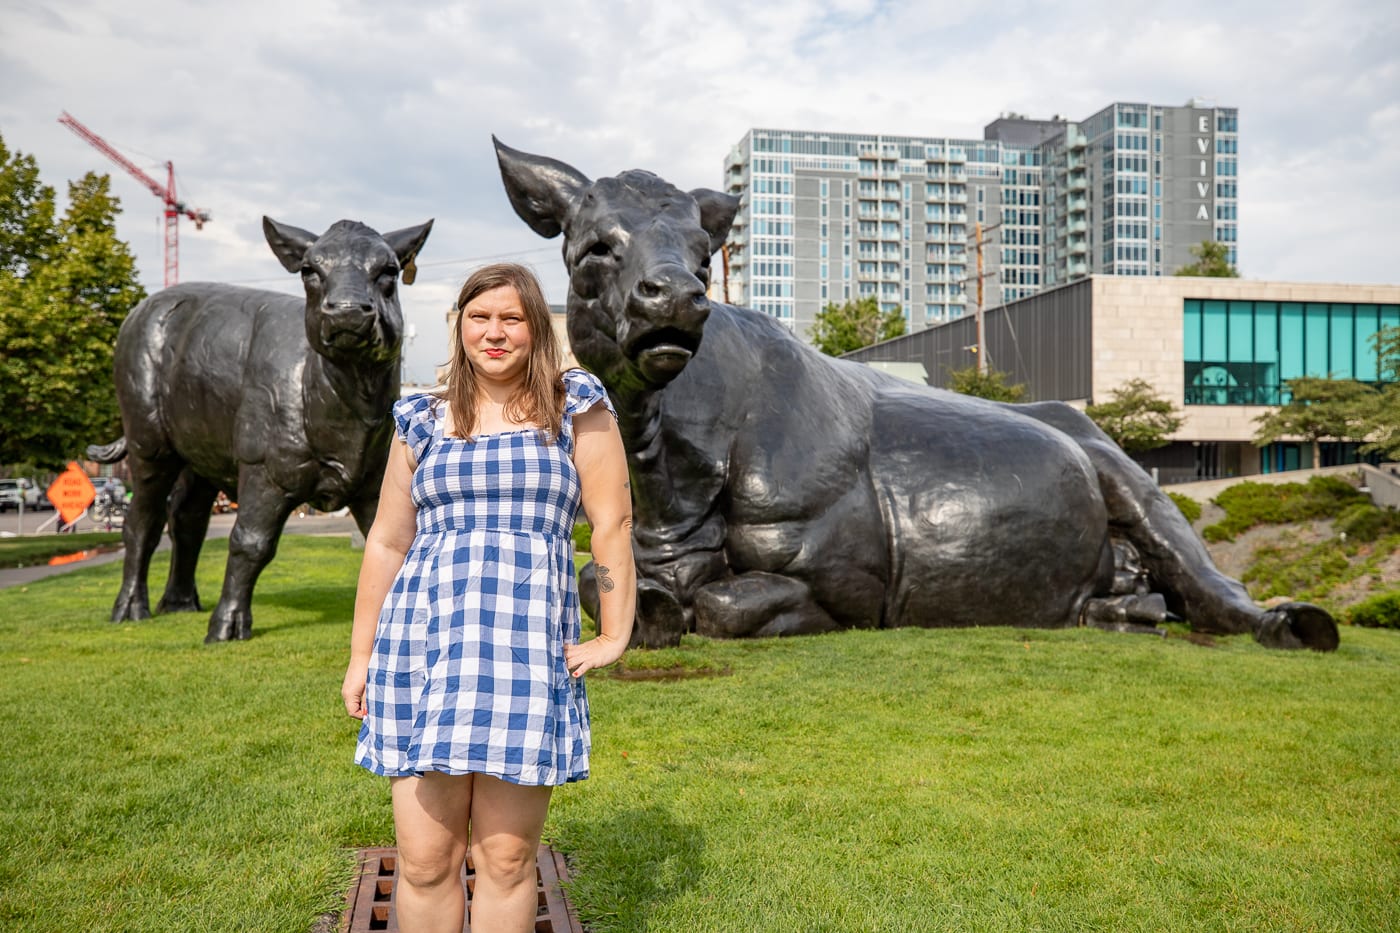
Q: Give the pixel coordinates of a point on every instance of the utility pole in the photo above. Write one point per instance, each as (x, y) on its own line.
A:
(983, 363)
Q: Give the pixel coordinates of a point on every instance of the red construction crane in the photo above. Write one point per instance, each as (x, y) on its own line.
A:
(174, 207)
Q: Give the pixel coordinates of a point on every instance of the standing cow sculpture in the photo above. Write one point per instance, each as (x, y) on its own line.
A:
(779, 491)
(274, 400)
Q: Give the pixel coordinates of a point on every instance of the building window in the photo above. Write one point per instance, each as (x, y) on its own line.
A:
(1243, 352)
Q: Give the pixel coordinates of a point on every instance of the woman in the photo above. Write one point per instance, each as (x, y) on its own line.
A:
(465, 660)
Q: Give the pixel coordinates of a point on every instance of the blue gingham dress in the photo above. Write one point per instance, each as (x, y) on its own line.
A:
(467, 674)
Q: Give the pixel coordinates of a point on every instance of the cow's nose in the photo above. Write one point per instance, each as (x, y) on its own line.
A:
(673, 288)
(349, 310)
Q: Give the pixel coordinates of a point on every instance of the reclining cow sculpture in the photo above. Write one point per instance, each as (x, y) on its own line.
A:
(272, 399)
(779, 491)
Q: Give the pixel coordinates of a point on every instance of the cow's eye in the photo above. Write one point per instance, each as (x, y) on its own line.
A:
(386, 281)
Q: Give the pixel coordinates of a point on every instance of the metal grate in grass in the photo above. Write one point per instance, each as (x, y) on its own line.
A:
(370, 902)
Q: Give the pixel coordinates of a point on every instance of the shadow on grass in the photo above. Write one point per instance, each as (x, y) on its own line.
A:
(314, 605)
(653, 859)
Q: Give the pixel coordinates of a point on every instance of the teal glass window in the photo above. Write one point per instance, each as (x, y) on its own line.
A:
(1315, 355)
(1192, 317)
(1241, 332)
(1342, 342)
(1363, 348)
(1290, 335)
(1267, 388)
(1244, 352)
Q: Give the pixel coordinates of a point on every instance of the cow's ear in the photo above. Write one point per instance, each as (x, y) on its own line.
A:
(716, 214)
(541, 190)
(288, 243)
(406, 243)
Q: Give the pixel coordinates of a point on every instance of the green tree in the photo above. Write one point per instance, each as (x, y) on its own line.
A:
(990, 385)
(854, 324)
(65, 288)
(1136, 417)
(1212, 260)
(1383, 421)
(1340, 409)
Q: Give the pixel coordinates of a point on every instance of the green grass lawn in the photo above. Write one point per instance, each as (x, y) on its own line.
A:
(991, 779)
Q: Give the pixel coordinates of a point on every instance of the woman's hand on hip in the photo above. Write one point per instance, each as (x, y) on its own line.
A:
(594, 653)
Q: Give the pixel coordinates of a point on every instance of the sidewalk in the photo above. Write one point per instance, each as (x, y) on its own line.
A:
(219, 527)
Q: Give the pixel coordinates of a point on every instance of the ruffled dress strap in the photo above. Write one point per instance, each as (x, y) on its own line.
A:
(583, 391)
(415, 421)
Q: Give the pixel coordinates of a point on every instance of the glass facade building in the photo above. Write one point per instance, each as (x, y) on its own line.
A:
(1221, 350)
(1243, 352)
(830, 217)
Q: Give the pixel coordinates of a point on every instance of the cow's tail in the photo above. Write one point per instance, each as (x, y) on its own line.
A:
(108, 453)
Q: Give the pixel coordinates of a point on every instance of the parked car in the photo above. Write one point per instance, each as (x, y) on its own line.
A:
(22, 489)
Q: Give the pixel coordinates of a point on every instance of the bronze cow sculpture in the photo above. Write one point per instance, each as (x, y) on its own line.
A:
(272, 399)
(779, 491)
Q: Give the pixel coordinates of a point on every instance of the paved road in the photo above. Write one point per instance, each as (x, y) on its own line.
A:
(219, 527)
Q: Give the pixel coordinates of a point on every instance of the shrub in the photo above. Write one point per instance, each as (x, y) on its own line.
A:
(1379, 611)
(1189, 507)
(583, 537)
(1248, 504)
(1365, 522)
(1302, 571)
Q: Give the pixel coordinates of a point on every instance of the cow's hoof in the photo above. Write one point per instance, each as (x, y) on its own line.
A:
(130, 610)
(1297, 625)
(184, 603)
(660, 618)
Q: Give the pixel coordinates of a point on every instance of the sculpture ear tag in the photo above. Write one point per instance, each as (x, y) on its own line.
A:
(410, 270)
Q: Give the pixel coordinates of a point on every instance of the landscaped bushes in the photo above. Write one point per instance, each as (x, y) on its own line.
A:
(1248, 504)
(1379, 611)
(1189, 507)
(1365, 522)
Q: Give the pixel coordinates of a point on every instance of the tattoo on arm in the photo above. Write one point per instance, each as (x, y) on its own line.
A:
(605, 582)
(627, 485)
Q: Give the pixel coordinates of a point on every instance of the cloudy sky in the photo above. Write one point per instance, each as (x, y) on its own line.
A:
(317, 110)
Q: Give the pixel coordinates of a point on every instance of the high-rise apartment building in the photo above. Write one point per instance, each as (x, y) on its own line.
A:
(827, 217)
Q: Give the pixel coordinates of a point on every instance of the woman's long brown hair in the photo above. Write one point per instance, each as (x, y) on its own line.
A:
(540, 398)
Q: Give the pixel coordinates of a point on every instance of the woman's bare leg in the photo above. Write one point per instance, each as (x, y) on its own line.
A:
(506, 822)
(431, 814)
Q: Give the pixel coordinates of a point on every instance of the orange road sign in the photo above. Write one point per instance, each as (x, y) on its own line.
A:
(71, 493)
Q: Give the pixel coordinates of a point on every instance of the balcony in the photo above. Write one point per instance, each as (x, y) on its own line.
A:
(1077, 226)
(1078, 183)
